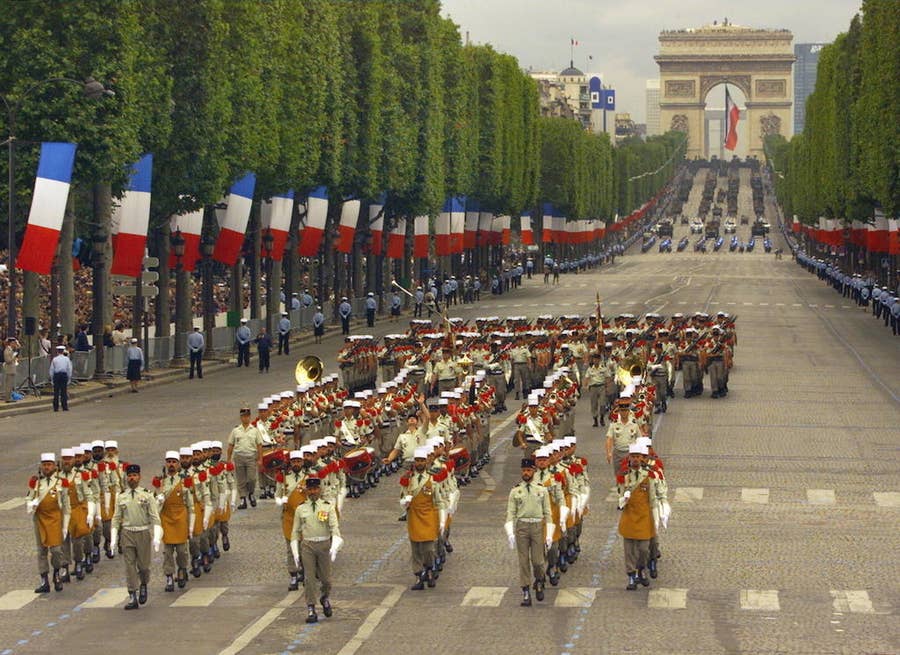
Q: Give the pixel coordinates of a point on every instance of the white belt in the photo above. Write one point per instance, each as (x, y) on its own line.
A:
(137, 529)
(540, 520)
(316, 538)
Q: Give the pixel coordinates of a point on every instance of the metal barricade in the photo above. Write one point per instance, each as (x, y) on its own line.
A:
(83, 364)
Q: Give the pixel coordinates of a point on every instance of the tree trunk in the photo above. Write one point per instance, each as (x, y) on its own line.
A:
(102, 310)
(162, 304)
(273, 299)
(66, 276)
(254, 241)
(236, 301)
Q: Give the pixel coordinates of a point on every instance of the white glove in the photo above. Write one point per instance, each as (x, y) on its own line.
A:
(295, 551)
(31, 505)
(405, 501)
(65, 526)
(223, 502)
(454, 502)
(234, 497)
(157, 537)
(510, 535)
(664, 513)
(442, 520)
(107, 500)
(281, 500)
(549, 531)
(207, 515)
(336, 543)
(563, 517)
(113, 539)
(91, 513)
(342, 495)
(623, 500)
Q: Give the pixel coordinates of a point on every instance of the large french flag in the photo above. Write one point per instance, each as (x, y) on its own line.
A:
(132, 217)
(316, 215)
(442, 230)
(191, 227)
(894, 237)
(732, 114)
(457, 223)
(485, 222)
(234, 224)
(347, 227)
(470, 235)
(547, 223)
(376, 227)
(48, 208)
(397, 240)
(527, 234)
(559, 228)
(877, 238)
(420, 239)
(275, 216)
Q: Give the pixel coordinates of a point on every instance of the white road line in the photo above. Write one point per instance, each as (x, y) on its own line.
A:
(820, 496)
(375, 617)
(688, 494)
(575, 597)
(763, 304)
(779, 304)
(796, 304)
(103, 598)
(16, 599)
(816, 305)
(852, 601)
(829, 306)
(483, 597)
(12, 503)
(760, 599)
(253, 630)
(747, 304)
(199, 597)
(667, 599)
(732, 303)
(887, 498)
(757, 496)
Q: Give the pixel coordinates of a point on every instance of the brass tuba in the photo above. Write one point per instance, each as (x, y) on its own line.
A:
(629, 367)
(309, 369)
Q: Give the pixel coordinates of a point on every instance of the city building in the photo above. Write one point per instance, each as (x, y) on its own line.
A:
(805, 67)
(652, 92)
(565, 94)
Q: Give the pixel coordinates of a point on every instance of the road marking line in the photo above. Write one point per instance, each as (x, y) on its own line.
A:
(667, 599)
(796, 304)
(483, 597)
(746, 304)
(887, 498)
(12, 503)
(813, 305)
(199, 597)
(688, 494)
(829, 306)
(855, 601)
(820, 496)
(16, 599)
(375, 617)
(575, 597)
(763, 304)
(108, 597)
(779, 304)
(758, 496)
(760, 599)
(253, 630)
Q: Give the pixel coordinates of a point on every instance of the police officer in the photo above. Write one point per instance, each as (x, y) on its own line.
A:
(284, 334)
(371, 307)
(318, 323)
(196, 343)
(61, 375)
(419, 301)
(136, 519)
(529, 529)
(242, 337)
(344, 311)
(395, 306)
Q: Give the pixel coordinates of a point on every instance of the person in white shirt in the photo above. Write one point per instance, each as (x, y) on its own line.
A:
(61, 374)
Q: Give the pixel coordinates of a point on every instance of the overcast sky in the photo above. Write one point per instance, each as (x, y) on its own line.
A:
(623, 35)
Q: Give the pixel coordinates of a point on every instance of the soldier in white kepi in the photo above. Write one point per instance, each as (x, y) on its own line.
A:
(48, 501)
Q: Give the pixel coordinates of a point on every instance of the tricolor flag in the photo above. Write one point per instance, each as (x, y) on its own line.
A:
(732, 114)
(527, 234)
(397, 240)
(275, 216)
(376, 226)
(496, 231)
(48, 208)
(316, 215)
(347, 227)
(191, 227)
(233, 225)
(877, 237)
(559, 227)
(420, 238)
(470, 234)
(505, 226)
(547, 223)
(442, 229)
(131, 219)
(457, 223)
(485, 220)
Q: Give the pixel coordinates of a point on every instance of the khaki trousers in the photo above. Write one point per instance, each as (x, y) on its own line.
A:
(637, 553)
(172, 554)
(530, 549)
(521, 378)
(291, 565)
(716, 370)
(317, 564)
(57, 558)
(421, 555)
(690, 374)
(136, 550)
(597, 394)
(246, 473)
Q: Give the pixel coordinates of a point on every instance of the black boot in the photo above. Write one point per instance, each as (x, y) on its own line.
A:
(226, 544)
(563, 565)
(170, 583)
(651, 566)
(294, 584)
(57, 580)
(602, 420)
(326, 606)
(182, 578)
(207, 563)
(430, 578)
(632, 581)
(595, 421)
(252, 501)
(539, 590)
(643, 578)
(95, 555)
(448, 546)
(44, 588)
(79, 571)
(64, 576)
(418, 586)
(142, 594)
(243, 504)
(526, 597)
(311, 616)
(89, 563)
(107, 551)
(195, 568)
(132, 601)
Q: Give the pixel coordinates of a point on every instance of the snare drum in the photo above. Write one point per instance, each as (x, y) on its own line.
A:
(461, 459)
(358, 462)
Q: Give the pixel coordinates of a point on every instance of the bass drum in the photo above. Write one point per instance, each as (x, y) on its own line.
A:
(358, 462)
(461, 460)
(274, 459)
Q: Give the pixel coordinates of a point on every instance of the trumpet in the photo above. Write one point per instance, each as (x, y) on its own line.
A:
(309, 369)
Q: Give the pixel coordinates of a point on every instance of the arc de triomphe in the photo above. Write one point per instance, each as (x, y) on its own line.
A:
(759, 62)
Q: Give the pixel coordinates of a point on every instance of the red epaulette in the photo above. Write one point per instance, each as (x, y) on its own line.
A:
(202, 476)
(404, 481)
(575, 469)
(229, 466)
(32, 483)
(157, 482)
(440, 476)
(584, 462)
(559, 477)
(101, 466)
(188, 482)
(86, 476)
(279, 477)
(620, 479)
(94, 475)
(65, 483)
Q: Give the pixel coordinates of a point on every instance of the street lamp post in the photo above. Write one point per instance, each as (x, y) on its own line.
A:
(93, 90)
(268, 244)
(177, 243)
(98, 259)
(209, 319)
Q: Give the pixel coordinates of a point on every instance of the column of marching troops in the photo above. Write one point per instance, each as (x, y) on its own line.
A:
(312, 448)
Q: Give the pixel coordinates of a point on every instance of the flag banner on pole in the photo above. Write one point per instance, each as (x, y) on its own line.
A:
(48, 208)
(234, 223)
(559, 229)
(275, 216)
(505, 226)
(795, 226)
(442, 230)
(485, 221)
(347, 227)
(191, 227)
(609, 99)
(132, 217)
(547, 223)
(314, 230)
(496, 231)
(877, 239)
(420, 239)
(397, 240)
(894, 237)
(732, 115)
(457, 223)
(470, 234)
(376, 226)
(527, 234)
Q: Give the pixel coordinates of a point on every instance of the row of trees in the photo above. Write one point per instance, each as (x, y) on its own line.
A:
(365, 98)
(845, 164)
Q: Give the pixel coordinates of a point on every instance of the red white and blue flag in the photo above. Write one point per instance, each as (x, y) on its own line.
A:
(130, 220)
(316, 215)
(234, 223)
(275, 216)
(732, 115)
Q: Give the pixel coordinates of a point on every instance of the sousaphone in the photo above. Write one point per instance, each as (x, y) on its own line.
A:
(309, 370)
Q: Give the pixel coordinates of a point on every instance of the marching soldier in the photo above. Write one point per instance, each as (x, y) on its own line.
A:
(520, 357)
(176, 516)
(444, 372)
(529, 529)
(111, 484)
(688, 357)
(48, 501)
(534, 428)
(290, 493)
(715, 351)
(82, 509)
(245, 451)
(86, 464)
(228, 495)
(594, 380)
(191, 463)
(316, 540)
(622, 432)
(559, 511)
(135, 516)
(426, 518)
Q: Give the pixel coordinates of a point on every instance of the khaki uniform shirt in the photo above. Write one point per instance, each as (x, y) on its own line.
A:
(445, 370)
(135, 508)
(528, 501)
(623, 434)
(245, 440)
(595, 375)
(315, 520)
(408, 441)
